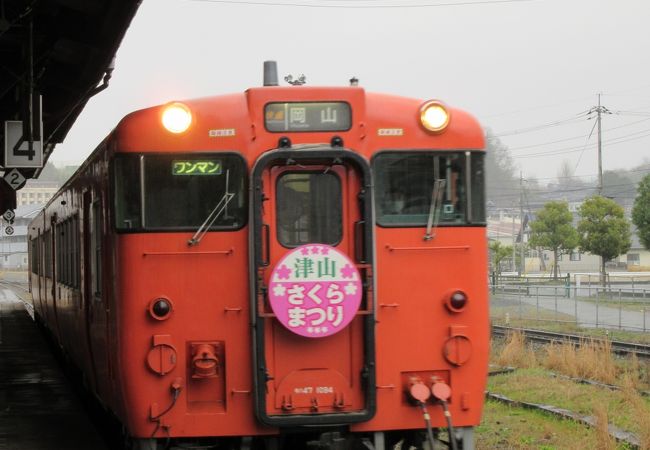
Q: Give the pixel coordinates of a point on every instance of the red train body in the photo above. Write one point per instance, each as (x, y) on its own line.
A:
(155, 265)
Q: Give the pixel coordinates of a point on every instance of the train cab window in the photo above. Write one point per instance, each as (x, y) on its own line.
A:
(413, 188)
(478, 188)
(309, 209)
(180, 191)
(127, 192)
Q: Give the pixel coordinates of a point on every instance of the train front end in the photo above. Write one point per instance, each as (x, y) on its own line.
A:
(300, 267)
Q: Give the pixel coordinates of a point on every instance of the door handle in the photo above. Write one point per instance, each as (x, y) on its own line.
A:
(266, 244)
(360, 241)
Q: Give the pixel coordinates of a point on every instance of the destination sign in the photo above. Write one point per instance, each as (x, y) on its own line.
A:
(196, 167)
(309, 116)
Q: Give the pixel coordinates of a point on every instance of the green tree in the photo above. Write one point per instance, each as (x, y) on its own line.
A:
(566, 180)
(499, 171)
(618, 186)
(499, 252)
(58, 174)
(553, 230)
(641, 211)
(603, 230)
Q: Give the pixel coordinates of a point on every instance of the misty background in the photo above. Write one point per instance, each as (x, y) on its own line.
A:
(529, 70)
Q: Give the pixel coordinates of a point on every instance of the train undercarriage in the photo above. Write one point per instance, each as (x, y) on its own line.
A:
(332, 439)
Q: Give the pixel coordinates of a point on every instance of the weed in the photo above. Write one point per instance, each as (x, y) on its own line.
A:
(516, 352)
(595, 361)
(562, 358)
(640, 409)
(592, 360)
(603, 439)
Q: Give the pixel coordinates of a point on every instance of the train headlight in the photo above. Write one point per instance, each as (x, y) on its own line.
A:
(160, 308)
(456, 301)
(176, 118)
(434, 116)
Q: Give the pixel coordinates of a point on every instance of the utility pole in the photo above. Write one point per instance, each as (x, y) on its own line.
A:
(514, 242)
(599, 110)
(522, 261)
(600, 152)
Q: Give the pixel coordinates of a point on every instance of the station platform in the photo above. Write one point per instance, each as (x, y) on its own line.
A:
(39, 410)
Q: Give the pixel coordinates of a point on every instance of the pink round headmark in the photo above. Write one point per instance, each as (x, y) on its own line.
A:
(315, 290)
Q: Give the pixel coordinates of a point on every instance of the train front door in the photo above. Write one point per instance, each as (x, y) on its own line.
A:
(311, 295)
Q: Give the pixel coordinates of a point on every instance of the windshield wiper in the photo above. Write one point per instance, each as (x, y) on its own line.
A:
(434, 209)
(214, 215)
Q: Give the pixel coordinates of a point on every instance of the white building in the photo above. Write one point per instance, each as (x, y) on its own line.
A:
(36, 192)
(13, 247)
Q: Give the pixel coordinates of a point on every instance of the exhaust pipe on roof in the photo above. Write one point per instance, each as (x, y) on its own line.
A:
(270, 73)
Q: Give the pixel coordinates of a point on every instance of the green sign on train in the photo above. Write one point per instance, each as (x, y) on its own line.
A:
(196, 167)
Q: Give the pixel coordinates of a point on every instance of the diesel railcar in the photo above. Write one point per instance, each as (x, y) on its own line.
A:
(287, 267)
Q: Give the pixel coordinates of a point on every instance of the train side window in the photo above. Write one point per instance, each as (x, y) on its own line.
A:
(407, 182)
(309, 209)
(58, 247)
(127, 192)
(35, 255)
(47, 243)
(61, 248)
(96, 246)
(76, 262)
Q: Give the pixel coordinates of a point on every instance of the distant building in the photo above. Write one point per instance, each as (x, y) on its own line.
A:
(504, 225)
(13, 248)
(638, 257)
(36, 192)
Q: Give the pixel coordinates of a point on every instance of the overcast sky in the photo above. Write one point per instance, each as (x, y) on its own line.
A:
(528, 70)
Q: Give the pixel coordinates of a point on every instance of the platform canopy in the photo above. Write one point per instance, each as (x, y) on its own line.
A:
(60, 51)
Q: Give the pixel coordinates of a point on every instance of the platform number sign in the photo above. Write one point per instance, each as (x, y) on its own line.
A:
(9, 230)
(315, 291)
(9, 215)
(15, 179)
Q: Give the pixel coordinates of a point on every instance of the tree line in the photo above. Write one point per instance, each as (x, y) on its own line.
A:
(602, 229)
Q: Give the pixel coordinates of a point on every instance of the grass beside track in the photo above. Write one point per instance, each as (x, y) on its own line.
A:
(506, 427)
(538, 386)
(517, 428)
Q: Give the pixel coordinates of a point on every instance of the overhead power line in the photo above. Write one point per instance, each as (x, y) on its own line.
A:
(569, 177)
(541, 144)
(584, 147)
(567, 189)
(535, 108)
(575, 149)
(348, 5)
(577, 118)
(633, 113)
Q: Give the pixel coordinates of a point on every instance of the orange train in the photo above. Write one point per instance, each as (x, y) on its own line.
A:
(288, 267)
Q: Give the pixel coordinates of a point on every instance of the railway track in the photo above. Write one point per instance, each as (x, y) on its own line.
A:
(620, 435)
(21, 290)
(22, 286)
(618, 347)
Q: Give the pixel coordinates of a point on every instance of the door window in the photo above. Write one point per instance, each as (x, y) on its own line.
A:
(309, 209)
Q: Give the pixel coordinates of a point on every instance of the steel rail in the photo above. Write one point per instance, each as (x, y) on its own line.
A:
(618, 347)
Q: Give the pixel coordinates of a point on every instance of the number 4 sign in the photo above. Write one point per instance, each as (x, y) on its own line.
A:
(15, 179)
